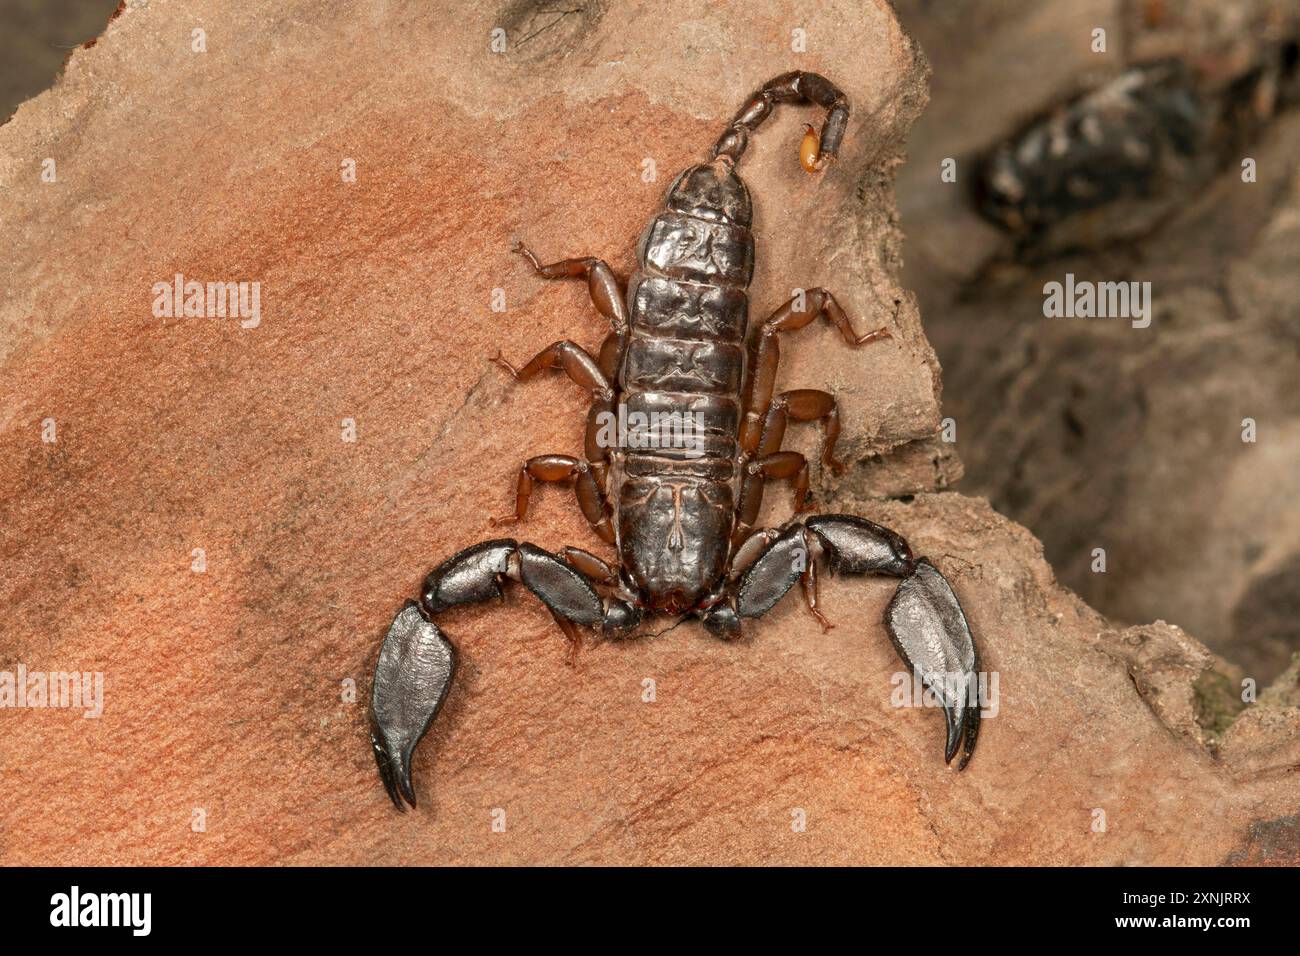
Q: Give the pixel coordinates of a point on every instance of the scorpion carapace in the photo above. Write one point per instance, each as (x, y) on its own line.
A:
(683, 433)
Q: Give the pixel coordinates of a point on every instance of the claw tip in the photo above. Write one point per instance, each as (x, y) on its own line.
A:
(395, 773)
(954, 736)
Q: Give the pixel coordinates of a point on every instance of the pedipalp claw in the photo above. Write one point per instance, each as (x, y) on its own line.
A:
(390, 771)
(416, 665)
(930, 632)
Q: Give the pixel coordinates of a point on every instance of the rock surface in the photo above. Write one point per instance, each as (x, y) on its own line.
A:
(228, 734)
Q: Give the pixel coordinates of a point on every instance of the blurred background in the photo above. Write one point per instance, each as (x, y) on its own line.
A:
(35, 37)
(1123, 165)
(1114, 158)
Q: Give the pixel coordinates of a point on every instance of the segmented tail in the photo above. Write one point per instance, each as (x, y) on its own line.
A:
(793, 87)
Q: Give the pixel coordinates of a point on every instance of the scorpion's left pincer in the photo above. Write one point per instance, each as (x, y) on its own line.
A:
(416, 665)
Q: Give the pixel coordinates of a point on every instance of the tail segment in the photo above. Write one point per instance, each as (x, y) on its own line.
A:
(794, 87)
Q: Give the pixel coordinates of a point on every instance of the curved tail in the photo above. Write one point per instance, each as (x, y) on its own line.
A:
(794, 87)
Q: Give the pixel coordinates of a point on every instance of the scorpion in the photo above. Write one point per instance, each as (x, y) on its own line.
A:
(680, 514)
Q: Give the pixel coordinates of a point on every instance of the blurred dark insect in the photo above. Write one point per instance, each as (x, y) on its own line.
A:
(1111, 163)
(1054, 185)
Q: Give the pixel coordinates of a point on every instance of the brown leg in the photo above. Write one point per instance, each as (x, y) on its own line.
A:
(808, 580)
(747, 552)
(785, 464)
(611, 355)
(590, 565)
(606, 295)
(540, 468)
(561, 468)
(600, 436)
(571, 635)
(803, 405)
(807, 405)
(591, 499)
(767, 355)
(780, 464)
(573, 359)
(595, 375)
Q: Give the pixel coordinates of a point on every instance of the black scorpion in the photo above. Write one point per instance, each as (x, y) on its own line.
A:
(680, 513)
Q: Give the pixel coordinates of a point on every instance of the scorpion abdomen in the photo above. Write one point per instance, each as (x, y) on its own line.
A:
(681, 377)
